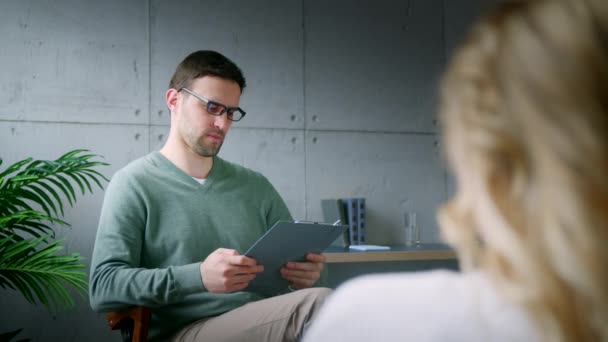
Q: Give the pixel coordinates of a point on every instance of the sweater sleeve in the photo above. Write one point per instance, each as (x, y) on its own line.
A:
(117, 279)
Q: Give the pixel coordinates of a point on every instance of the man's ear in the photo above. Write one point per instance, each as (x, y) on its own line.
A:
(171, 99)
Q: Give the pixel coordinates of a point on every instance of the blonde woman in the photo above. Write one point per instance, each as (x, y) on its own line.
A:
(525, 124)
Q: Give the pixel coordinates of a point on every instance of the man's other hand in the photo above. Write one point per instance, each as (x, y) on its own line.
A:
(304, 274)
(225, 270)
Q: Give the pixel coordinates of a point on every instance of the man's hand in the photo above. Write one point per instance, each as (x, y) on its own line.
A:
(304, 274)
(225, 270)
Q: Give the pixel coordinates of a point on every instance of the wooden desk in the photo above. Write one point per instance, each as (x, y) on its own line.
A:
(427, 251)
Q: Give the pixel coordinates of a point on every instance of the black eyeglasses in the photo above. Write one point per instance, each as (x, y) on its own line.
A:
(217, 109)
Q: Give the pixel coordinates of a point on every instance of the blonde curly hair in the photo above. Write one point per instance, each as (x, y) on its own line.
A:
(524, 118)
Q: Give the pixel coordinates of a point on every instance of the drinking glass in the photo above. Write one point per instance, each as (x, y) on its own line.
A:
(412, 231)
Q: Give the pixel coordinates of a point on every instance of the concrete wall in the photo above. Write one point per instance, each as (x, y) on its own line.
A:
(340, 103)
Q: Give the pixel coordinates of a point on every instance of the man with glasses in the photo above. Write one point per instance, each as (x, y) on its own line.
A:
(173, 221)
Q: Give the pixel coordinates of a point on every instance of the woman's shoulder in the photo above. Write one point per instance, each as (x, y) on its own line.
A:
(397, 281)
(430, 306)
(416, 288)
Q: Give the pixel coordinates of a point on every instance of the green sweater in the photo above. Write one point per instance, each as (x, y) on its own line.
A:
(158, 224)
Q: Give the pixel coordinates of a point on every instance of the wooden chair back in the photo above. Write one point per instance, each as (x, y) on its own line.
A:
(132, 322)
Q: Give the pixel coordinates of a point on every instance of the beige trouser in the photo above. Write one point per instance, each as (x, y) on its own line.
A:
(276, 319)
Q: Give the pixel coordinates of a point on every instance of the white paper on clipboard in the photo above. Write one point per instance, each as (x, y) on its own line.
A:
(287, 241)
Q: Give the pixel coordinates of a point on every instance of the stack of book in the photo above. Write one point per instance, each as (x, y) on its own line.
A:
(351, 212)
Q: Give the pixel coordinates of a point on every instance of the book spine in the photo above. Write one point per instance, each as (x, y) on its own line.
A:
(351, 212)
(361, 227)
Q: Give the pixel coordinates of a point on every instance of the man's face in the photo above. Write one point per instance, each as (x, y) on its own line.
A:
(202, 132)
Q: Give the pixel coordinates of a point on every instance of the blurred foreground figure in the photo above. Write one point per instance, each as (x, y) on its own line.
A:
(525, 124)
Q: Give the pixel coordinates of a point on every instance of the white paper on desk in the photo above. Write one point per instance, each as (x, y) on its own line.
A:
(369, 247)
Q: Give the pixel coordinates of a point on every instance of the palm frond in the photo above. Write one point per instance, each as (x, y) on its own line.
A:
(12, 169)
(28, 221)
(41, 274)
(31, 200)
(43, 182)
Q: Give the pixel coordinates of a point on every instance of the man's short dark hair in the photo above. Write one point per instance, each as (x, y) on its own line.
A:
(206, 63)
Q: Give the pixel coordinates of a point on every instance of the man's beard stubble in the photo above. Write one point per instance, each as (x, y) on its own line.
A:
(208, 150)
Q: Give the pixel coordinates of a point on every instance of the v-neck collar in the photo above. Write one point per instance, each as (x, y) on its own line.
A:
(169, 166)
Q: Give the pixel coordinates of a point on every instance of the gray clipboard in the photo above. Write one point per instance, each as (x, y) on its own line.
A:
(287, 241)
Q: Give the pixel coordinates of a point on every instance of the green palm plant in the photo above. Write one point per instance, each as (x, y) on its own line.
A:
(31, 259)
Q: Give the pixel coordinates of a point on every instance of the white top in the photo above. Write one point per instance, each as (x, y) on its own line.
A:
(424, 306)
(200, 180)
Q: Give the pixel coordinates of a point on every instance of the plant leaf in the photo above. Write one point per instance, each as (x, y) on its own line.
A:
(41, 275)
(32, 193)
(53, 193)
